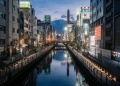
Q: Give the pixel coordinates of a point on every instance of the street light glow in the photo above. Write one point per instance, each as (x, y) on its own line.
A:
(65, 28)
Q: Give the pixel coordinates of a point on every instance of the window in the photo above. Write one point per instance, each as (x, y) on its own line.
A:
(3, 28)
(13, 18)
(101, 20)
(18, 10)
(97, 12)
(100, 10)
(97, 2)
(13, 30)
(2, 41)
(2, 15)
(17, 1)
(2, 2)
(17, 30)
(13, 8)
(17, 20)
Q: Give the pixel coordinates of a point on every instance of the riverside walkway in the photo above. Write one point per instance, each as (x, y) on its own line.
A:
(104, 75)
(12, 69)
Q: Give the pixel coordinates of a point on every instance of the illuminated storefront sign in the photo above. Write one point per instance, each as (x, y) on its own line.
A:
(98, 31)
(92, 40)
(24, 4)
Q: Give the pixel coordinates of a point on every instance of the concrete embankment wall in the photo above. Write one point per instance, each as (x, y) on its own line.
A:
(26, 69)
(92, 80)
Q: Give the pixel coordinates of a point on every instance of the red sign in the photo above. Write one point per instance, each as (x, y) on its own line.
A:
(69, 25)
(97, 31)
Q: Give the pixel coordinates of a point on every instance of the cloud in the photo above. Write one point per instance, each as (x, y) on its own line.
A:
(56, 12)
(56, 8)
(63, 16)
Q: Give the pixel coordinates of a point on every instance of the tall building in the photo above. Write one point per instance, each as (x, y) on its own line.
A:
(102, 20)
(3, 28)
(96, 21)
(68, 16)
(21, 29)
(35, 31)
(28, 12)
(84, 22)
(12, 26)
(111, 27)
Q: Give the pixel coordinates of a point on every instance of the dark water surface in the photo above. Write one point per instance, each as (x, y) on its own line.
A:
(57, 69)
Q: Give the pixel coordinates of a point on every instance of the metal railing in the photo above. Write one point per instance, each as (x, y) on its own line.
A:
(14, 68)
(99, 72)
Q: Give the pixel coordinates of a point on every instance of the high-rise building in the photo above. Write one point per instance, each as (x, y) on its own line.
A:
(102, 20)
(29, 15)
(21, 29)
(111, 13)
(3, 28)
(96, 21)
(12, 17)
(68, 16)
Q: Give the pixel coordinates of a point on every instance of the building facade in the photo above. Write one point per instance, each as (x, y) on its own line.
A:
(103, 13)
(3, 28)
(12, 27)
(68, 16)
(96, 20)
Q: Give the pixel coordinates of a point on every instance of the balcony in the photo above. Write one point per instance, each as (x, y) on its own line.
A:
(108, 25)
(108, 3)
(109, 14)
(108, 38)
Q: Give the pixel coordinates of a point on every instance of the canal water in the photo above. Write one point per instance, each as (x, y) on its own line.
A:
(57, 69)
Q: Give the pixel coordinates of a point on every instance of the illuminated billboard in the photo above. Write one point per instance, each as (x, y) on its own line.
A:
(47, 19)
(85, 9)
(97, 31)
(92, 40)
(24, 4)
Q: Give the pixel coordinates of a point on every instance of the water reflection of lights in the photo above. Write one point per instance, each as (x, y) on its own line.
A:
(76, 84)
(65, 55)
(97, 67)
(69, 61)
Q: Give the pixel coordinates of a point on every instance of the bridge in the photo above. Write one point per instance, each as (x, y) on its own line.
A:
(61, 41)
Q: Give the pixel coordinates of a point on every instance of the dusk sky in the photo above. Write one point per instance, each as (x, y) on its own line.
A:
(57, 8)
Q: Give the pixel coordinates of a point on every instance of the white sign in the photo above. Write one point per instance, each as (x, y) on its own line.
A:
(92, 40)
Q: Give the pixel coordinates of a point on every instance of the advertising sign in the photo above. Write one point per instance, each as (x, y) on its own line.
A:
(69, 25)
(92, 40)
(24, 4)
(85, 9)
(97, 31)
(47, 19)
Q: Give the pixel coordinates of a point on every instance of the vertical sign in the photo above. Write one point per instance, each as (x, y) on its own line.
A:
(47, 19)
